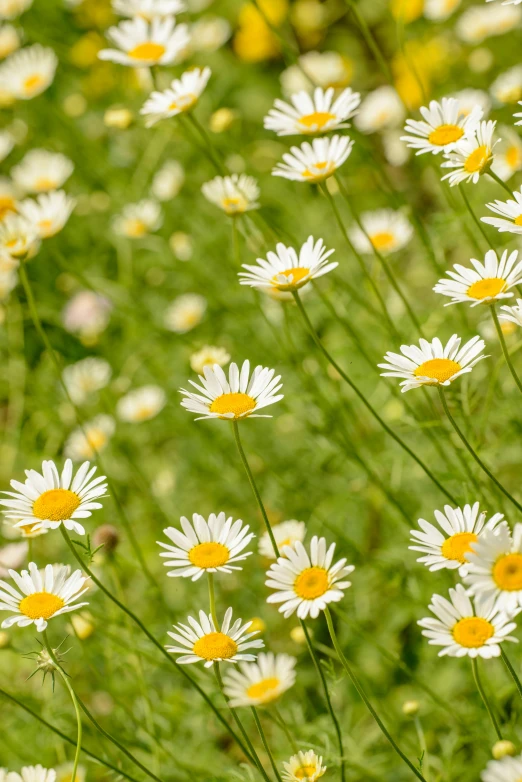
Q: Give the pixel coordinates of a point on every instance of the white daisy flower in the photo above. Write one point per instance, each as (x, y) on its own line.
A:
(507, 88)
(381, 109)
(303, 767)
(508, 154)
(506, 769)
(49, 212)
(137, 220)
(484, 284)
(6, 143)
(205, 642)
(18, 237)
(470, 98)
(41, 171)
(233, 194)
(384, 230)
(209, 33)
(285, 270)
(240, 396)
(87, 313)
(28, 72)
(148, 9)
(465, 628)
(326, 69)
(90, 439)
(8, 197)
(10, 9)
(8, 282)
(510, 212)
(432, 364)
(181, 96)
(33, 774)
(306, 583)
(12, 556)
(42, 595)
(314, 162)
(439, 10)
(480, 22)
(141, 404)
(27, 530)
(86, 377)
(50, 499)
(256, 684)
(208, 356)
(308, 114)
(495, 567)
(513, 314)
(185, 313)
(287, 533)
(472, 157)
(168, 181)
(461, 528)
(206, 546)
(141, 44)
(443, 126)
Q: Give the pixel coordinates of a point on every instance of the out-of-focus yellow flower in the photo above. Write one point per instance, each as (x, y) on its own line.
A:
(254, 41)
(84, 52)
(257, 626)
(297, 635)
(414, 69)
(406, 10)
(82, 626)
(222, 119)
(118, 117)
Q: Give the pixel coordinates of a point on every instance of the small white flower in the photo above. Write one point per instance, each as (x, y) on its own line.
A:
(303, 767)
(211, 546)
(439, 10)
(6, 143)
(87, 313)
(209, 33)
(286, 270)
(240, 396)
(18, 237)
(449, 546)
(42, 595)
(256, 684)
(470, 98)
(385, 230)
(308, 115)
(205, 642)
(28, 72)
(180, 97)
(314, 162)
(141, 404)
(432, 364)
(208, 356)
(508, 154)
(381, 109)
(141, 44)
(148, 9)
(465, 628)
(185, 313)
(495, 567)
(287, 533)
(86, 377)
(513, 314)
(168, 181)
(33, 774)
(484, 284)
(48, 213)
(507, 88)
(443, 126)
(41, 171)
(12, 556)
(137, 220)
(8, 282)
(306, 583)
(506, 769)
(472, 157)
(477, 23)
(10, 9)
(510, 212)
(90, 439)
(234, 194)
(325, 69)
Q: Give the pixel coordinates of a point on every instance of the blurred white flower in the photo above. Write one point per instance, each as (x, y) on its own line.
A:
(6, 144)
(508, 154)
(9, 40)
(381, 109)
(8, 281)
(477, 23)
(469, 99)
(180, 97)
(233, 194)
(185, 313)
(439, 10)
(48, 213)
(209, 33)
(261, 682)
(89, 439)
(8, 197)
(41, 171)
(28, 72)
(10, 9)
(18, 237)
(208, 355)
(141, 44)
(395, 150)
(303, 767)
(86, 377)
(323, 69)
(507, 88)
(87, 314)
(168, 181)
(12, 557)
(384, 230)
(137, 220)
(287, 533)
(181, 245)
(141, 404)
(148, 9)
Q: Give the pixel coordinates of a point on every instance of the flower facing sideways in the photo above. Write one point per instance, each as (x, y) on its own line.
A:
(303, 767)
(286, 534)
(206, 546)
(202, 641)
(141, 44)
(234, 194)
(90, 439)
(465, 628)
(261, 682)
(385, 230)
(180, 97)
(309, 114)
(432, 364)
(287, 270)
(314, 162)
(495, 567)
(507, 769)
(42, 595)
(472, 157)
(48, 213)
(306, 583)
(510, 212)
(486, 282)
(28, 72)
(148, 9)
(141, 404)
(512, 314)
(444, 125)
(41, 171)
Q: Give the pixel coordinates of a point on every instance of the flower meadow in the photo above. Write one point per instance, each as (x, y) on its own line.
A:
(261, 330)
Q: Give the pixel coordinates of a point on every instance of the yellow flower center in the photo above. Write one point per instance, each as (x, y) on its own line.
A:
(383, 240)
(440, 369)
(27, 529)
(472, 632)
(184, 102)
(7, 204)
(237, 404)
(317, 120)
(96, 439)
(40, 605)
(507, 572)
(305, 772)
(479, 160)
(46, 227)
(32, 82)
(484, 289)
(320, 171)
(56, 505)
(234, 205)
(147, 51)
(215, 646)
(135, 228)
(294, 276)
(518, 220)
(206, 555)
(457, 546)
(44, 183)
(265, 689)
(311, 583)
(445, 134)
(513, 156)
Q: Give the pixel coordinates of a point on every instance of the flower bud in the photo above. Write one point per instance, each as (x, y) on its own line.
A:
(503, 748)
(106, 536)
(410, 708)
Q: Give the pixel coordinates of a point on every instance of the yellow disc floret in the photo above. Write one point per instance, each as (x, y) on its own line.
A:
(305, 772)
(383, 240)
(311, 583)
(215, 646)
(147, 51)
(445, 134)
(40, 605)
(265, 690)
(472, 632)
(440, 369)
(485, 289)
(457, 546)
(507, 572)
(295, 278)
(56, 505)
(479, 160)
(233, 405)
(209, 555)
(317, 120)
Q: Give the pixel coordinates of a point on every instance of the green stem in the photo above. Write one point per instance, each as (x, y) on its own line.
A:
(365, 401)
(474, 216)
(472, 452)
(207, 142)
(504, 348)
(364, 697)
(370, 41)
(279, 720)
(480, 688)
(502, 184)
(511, 671)
(265, 744)
(212, 600)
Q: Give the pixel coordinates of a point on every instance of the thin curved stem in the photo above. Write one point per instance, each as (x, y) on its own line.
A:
(498, 180)
(365, 401)
(511, 670)
(482, 693)
(265, 744)
(505, 351)
(212, 599)
(474, 216)
(473, 453)
(370, 41)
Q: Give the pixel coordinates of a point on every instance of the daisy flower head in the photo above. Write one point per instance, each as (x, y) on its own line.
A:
(433, 364)
(286, 270)
(185, 313)
(48, 213)
(507, 88)
(87, 314)
(472, 157)
(470, 98)
(10, 9)
(90, 439)
(32, 774)
(384, 230)
(261, 682)
(303, 767)
(442, 127)
(12, 556)
(85, 377)
(439, 10)
(41, 171)
(314, 162)
(48, 499)
(510, 212)
(242, 395)
(495, 568)
(203, 641)
(148, 9)
(141, 404)
(309, 114)
(137, 220)
(512, 314)
(479, 22)
(233, 194)
(447, 545)
(381, 109)
(507, 769)
(307, 582)
(485, 283)
(326, 69)
(180, 97)
(142, 44)
(28, 72)
(287, 533)
(206, 546)
(18, 237)
(208, 355)
(466, 628)
(8, 197)
(508, 154)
